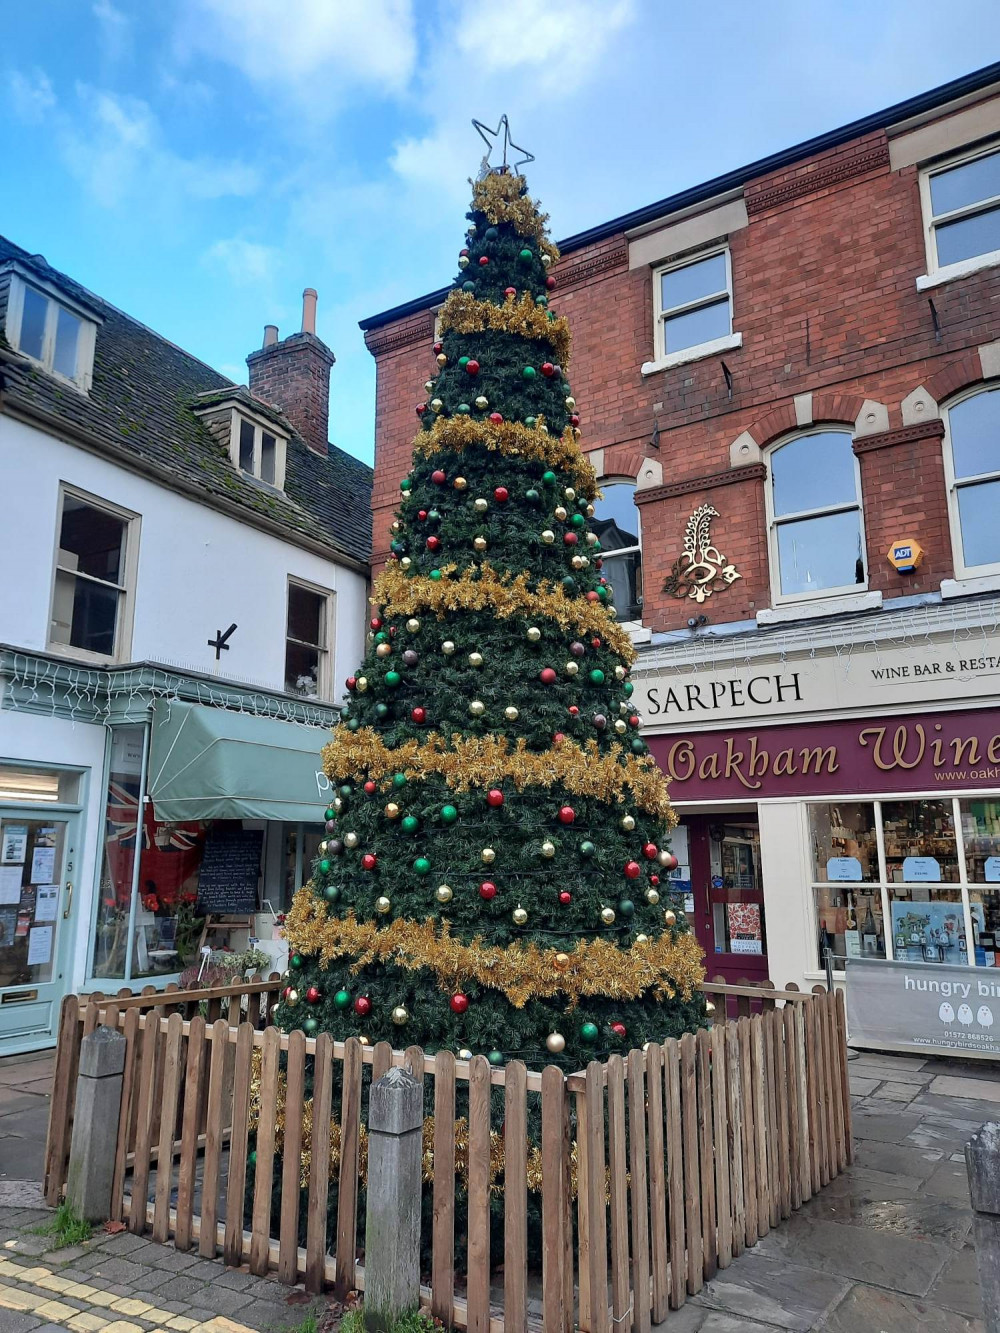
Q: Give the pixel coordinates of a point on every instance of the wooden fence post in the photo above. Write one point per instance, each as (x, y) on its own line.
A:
(982, 1161)
(392, 1228)
(95, 1125)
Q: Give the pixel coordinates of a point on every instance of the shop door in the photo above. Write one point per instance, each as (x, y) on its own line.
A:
(728, 895)
(38, 865)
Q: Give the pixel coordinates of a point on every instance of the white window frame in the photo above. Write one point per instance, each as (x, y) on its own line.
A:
(86, 339)
(324, 682)
(127, 588)
(953, 485)
(261, 426)
(940, 273)
(633, 627)
(778, 598)
(663, 359)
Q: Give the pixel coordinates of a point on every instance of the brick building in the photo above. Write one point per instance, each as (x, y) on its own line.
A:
(794, 372)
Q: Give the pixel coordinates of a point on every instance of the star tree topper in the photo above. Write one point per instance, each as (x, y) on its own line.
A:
(489, 136)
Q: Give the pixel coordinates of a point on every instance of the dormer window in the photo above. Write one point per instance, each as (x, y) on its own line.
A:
(51, 329)
(258, 451)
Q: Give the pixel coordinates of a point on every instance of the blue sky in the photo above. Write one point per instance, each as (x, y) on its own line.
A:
(198, 162)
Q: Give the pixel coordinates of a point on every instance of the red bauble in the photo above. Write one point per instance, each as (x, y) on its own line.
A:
(510, 291)
(286, 992)
(496, 418)
(459, 1003)
(565, 897)
(420, 409)
(421, 514)
(650, 851)
(670, 863)
(488, 890)
(618, 1029)
(595, 643)
(494, 797)
(472, 367)
(370, 788)
(314, 995)
(633, 720)
(438, 477)
(439, 347)
(483, 260)
(547, 676)
(558, 737)
(574, 420)
(592, 597)
(567, 814)
(573, 710)
(363, 1006)
(548, 369)
(369, 861)
(501, 494)
(550, 283)
(433, 543)
(570, 538)
(654, 880)
(375, 622)
(632, 869)
(418, 715)
(351, 682)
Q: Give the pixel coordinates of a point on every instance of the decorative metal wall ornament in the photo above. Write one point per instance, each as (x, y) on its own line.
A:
(696, 572)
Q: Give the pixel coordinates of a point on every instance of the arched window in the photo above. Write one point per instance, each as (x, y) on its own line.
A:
(817, 538)
(616, 523)
(972, 470)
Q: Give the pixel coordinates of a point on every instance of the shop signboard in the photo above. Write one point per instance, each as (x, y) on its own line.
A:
(230, 869)
(930, 1008)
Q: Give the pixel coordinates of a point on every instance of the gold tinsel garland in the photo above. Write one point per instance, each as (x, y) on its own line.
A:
(665, 966)
(513, 440)
(500, 196)
(465, 314)
(505, 595)
(482, 761)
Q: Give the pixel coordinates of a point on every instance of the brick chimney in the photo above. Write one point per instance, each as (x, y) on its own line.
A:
(294, 376)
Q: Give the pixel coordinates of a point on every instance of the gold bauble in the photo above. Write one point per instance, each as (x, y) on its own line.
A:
(579, 561)
(475, 659)
(363, 1041)
(561, 962)
(709, 1007)
(482, 401)
(572, 668)
(488, 856)
(479, 543)
(569, 493)
(664, 857)
(465, 1053)
(395, 525)
(460, 483)
(642, 939)
(351, 840)
(362, 684)
(443, 893)
(520, 916)
(652, 897)
(560, 513)
(436, 404)
(548, 849)
(608, 916)
(383, 650)
(413, 625)
(510, 713)
(480, 506)
(570, 402)
(670, 917)
(628, 823)
(591, 538)
(292, 997)
(624, 707)
(543, 429)
(428, 386)
(548, 536)
(400, 1015)
(383, 905)
(405, 563)
(620, 672)
(442, 360)
(274, 1010)
(392, 810)
(555, 1042)
(322, 847)
(620, 726)
(534, 633)
(591, 511)
(447, 647)
(477, 708)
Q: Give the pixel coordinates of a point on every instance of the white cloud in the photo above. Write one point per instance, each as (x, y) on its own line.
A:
(246, 262)
(115, 29)
(31, 95)
(313, 46)
(562, 38)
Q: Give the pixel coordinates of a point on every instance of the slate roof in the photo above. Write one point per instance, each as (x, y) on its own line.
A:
(141, 407)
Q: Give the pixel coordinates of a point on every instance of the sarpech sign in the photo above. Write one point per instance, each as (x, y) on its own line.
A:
(931, 1008)
(865, 756)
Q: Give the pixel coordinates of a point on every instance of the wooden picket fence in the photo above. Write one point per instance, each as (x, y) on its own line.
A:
(653, 1170)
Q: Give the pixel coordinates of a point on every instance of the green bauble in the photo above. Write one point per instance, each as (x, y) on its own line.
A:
(587, 848)
(295, 960)
(626, 907)
(331, 893)
(421, 865)
(463, 409)
(638, 746)
(310, 1025)
(381, 710)
(399, 780)
(406, 484)
(525, 256)
(496, 1058)
(324, 866)
(628, 687)
(354, 724)
(529, 422)
(346, 789)
(588, 1033)
(392, 678)
(252, 1158)
(532, 496)
(449, 814)
(331, 813)
(597, 676)
(549, 478)
(436, 575)
(342, 999)
(381, 637)
(578, 520)
(411, 824)
(529, 372)
(463, 361)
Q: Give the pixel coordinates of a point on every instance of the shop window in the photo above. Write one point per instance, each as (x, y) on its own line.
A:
(972, 471)
(307, 641)
(42, 326)
(817, 543)
(736, 892)
(94, 578)
(616, 525)
(961, 203)
(846, 890)
(694, 308)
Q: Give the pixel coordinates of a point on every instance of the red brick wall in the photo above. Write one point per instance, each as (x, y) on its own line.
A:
(294, 376)
(824, 281)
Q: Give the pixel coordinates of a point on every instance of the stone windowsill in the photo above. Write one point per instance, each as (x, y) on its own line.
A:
(681, 358)
(822, 606)
(968, 587)
(960, 270)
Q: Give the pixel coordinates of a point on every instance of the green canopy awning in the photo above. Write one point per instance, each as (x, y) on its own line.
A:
(210, 763)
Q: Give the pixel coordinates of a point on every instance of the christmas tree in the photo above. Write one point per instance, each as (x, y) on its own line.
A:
(493, 879)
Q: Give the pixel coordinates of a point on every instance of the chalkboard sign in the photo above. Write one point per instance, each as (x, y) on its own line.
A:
(230, 869)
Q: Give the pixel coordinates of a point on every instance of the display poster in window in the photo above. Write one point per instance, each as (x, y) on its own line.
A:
(852, 943)
(39, 945)
(230, 869)
(921, 870)
(46, 902)
(8, 927)
(932, 932)
(10, 885)
(843, 869)
(43, 856)
(991, 870)
(930, 1008)
(14, 846)
(743, 920)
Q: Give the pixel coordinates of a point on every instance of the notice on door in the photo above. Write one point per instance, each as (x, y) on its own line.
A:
(932, 1008)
